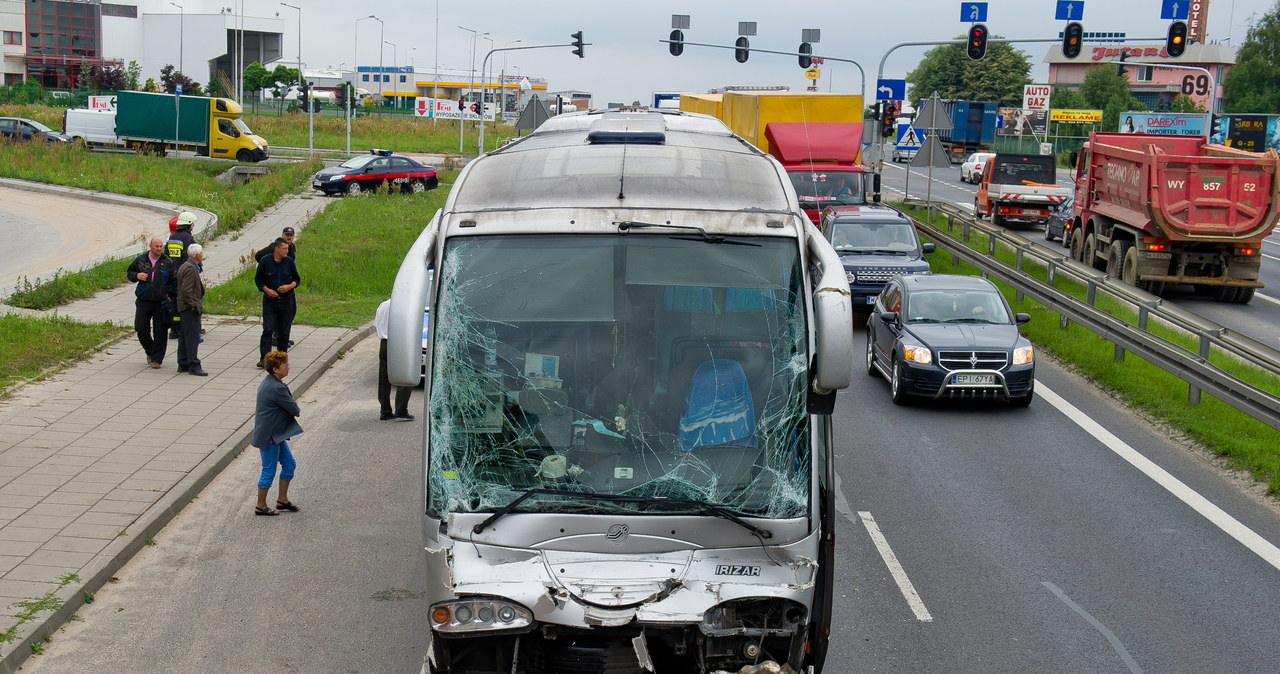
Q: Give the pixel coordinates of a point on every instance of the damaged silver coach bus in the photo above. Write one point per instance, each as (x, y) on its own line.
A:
(636, 339)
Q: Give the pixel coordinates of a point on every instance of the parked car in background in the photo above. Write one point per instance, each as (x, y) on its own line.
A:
(949, 336)
(22, 129)
(1058, 226)
(971, 169)
(903, 155)
(875, 244)
(91, 127)
(367, 172)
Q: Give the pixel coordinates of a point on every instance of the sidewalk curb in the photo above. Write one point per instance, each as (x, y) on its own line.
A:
(149, 524)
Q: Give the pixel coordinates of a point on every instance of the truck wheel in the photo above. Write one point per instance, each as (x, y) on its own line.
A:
(1115, 261)
(976, 212)
(1077, 246)
(244, 156)
(1244, 295)
(1225, 293)
(1091, 251)
(1129, 267)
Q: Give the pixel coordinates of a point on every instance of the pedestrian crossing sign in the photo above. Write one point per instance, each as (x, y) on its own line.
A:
(908, 138)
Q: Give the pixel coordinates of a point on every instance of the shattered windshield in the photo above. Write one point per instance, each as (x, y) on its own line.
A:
(644, 365)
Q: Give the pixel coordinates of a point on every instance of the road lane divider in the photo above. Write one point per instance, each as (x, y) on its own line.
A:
(1206, 508)
(895, 569)
(1097, 625)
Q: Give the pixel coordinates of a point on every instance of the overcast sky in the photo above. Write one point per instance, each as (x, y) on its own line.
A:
(625, 62)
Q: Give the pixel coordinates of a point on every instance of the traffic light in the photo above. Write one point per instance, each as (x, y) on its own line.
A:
(977, 41)
(462, 103)
(1120, 71)
(677, 43)
(1072, 37)
(577, 44)
(889, 121)
(806, 59)
(742, 50)
(1176, 43)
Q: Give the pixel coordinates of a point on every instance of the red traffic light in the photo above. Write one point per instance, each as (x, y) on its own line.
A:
(977, 46)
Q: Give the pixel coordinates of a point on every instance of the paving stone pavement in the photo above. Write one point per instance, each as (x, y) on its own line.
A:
(96, 459)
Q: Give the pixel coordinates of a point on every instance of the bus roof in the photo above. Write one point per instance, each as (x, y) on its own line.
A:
(665, 160)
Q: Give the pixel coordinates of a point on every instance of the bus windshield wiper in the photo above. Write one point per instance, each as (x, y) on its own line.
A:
(707, 508)
(627, 225)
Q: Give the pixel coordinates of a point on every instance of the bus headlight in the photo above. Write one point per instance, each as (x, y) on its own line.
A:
(479, 614)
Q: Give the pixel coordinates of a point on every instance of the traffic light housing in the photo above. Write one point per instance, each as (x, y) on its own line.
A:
(806, 58)
(977, 45)
(577, 44)
(742, 49)
(1176, 43)
(1072, 39)
(889, 121)
(677, 43)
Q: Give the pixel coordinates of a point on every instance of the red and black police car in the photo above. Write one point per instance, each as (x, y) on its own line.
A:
(367, 172)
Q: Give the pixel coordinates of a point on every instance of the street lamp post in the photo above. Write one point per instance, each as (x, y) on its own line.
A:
(382, 30)
(182, 24)
(395, 60)
(355, 67)
(462, 114)
(303, 87)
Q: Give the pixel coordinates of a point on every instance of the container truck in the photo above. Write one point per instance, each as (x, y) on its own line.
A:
(211, 127)
(816, 136)
(973, 127)
(1019, 188)
(636, 343)
(1154, 209)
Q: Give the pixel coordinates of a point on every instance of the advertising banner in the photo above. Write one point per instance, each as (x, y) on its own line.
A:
(1164, 123)
(1256, 133)
(1018, 122)
(448, 109)
(1036, 97)
(1076, 116)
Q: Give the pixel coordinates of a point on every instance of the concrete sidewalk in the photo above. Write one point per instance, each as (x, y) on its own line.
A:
(96, 459)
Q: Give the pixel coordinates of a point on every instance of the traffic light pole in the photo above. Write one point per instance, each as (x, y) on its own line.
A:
(484, 78)
(1027, 40)
(862, 87)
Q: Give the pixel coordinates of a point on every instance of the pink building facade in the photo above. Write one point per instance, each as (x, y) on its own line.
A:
(1150, 83)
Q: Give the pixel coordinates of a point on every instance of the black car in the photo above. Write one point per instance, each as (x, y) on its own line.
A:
(367, 172)
(21, 129)
(1059, 224)
(947, 336)
(875, 244)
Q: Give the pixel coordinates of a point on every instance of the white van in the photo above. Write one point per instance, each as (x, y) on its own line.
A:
(91, 127)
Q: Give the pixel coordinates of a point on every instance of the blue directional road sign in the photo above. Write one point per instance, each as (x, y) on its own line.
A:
(1070, 10)
(891, 90)
(1174, 10)
(973, 11)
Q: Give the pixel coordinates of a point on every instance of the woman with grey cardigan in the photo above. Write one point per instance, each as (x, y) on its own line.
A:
(275, 421)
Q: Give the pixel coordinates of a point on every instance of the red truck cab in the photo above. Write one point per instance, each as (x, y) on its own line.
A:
(822, 159)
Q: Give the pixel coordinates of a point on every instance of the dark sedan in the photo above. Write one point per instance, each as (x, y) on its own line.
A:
(946, 336)
(368, 172)
(1059, 224)
(20, 129)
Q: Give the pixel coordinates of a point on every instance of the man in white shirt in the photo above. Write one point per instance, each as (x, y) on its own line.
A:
(380, 322)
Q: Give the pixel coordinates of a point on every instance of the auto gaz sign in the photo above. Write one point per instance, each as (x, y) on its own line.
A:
(1036, 97)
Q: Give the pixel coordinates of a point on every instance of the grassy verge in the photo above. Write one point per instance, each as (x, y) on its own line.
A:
(1157, 395)
(348, 257)
(185, 181)
(31, 347)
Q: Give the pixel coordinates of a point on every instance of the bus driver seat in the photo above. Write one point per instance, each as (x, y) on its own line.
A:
(718, 409)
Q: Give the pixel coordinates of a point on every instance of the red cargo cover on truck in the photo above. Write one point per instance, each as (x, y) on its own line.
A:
(1182, 188)
(815, 142)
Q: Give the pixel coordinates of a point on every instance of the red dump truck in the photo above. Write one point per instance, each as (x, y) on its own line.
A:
(1153, 210)
(822, 160)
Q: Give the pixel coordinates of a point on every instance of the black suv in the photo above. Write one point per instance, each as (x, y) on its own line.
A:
(875, 243)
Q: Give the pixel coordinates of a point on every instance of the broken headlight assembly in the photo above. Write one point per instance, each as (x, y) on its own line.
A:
(479, 614)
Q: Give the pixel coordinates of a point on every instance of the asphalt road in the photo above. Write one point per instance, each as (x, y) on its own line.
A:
(1028, 544)
(1260, 319)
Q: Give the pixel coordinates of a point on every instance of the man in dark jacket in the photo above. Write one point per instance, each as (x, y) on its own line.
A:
(288, 235)
(176, 249)
(157, 284)
(190, 306)
(276, 278)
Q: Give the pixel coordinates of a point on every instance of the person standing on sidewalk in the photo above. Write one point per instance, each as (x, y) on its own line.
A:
(275, 421)
(381, 320)
(176, 249)
(276, 278)
(190, 306)
(154, 274)
(288, 234)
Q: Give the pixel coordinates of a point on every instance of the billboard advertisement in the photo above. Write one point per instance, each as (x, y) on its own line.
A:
(1019, 122)
(448, 109)
(1164, 123)
(1256, 133)
(1076, 116)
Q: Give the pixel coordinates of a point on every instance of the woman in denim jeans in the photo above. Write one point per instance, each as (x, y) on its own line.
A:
(275, 421)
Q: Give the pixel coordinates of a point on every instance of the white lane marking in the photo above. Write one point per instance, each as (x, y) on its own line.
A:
(1228, 524)
(1097, 625)
(1265, 297)
(899, 575)
(1270, 257)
